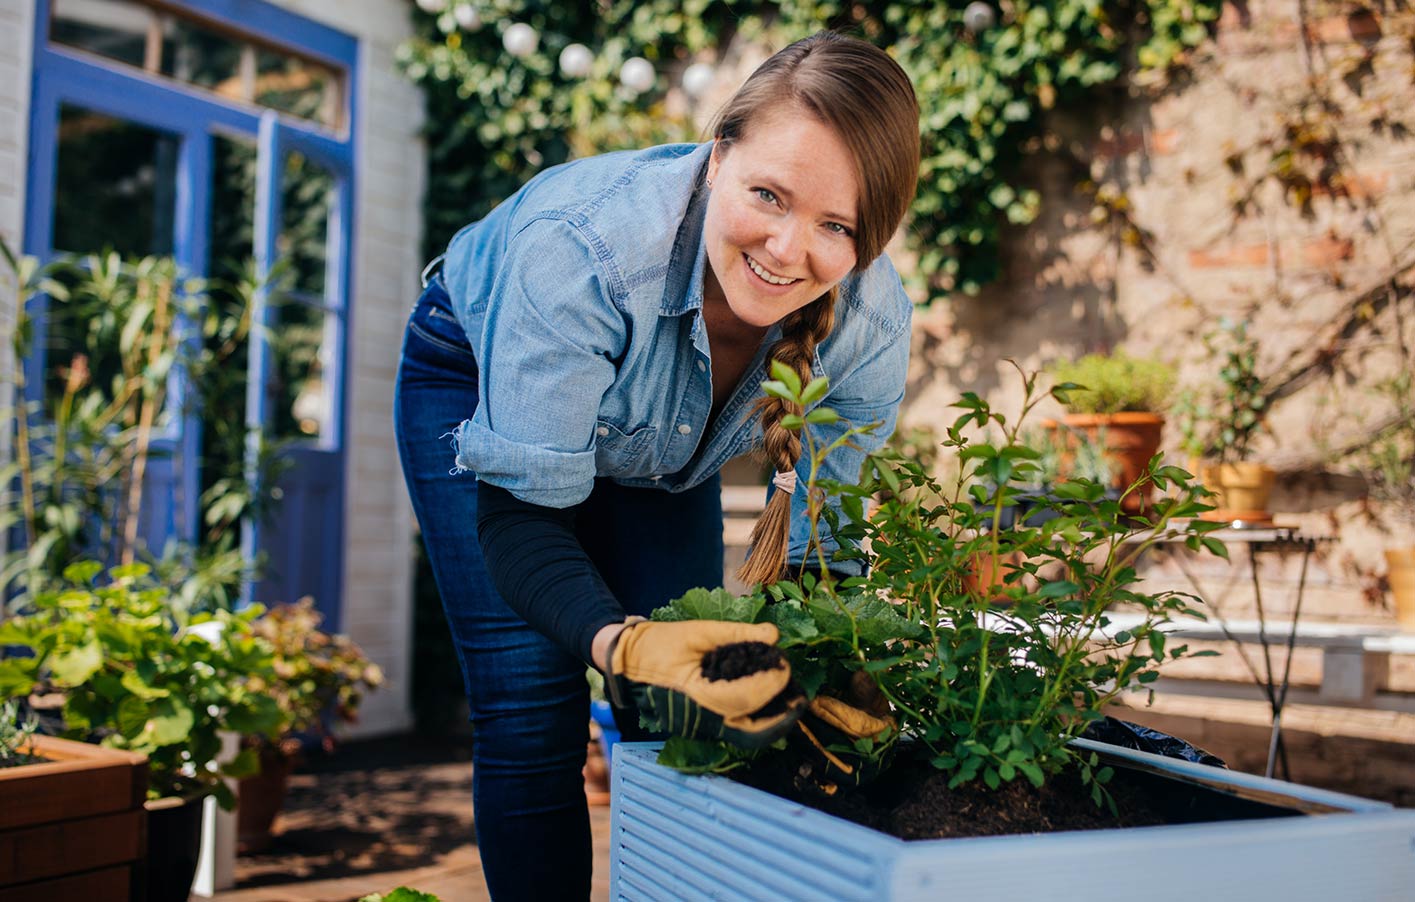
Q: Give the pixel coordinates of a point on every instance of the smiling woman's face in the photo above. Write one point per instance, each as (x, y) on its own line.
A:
(781, 220)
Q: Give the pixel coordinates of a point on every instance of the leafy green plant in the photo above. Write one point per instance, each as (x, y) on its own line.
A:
(15, 733)
(992, 685)
(987, 98)
(116, 332)
(313, 673)
(1114, 383)
(1222, 421)
(1389, 460)
(137, 673)
(401, 894)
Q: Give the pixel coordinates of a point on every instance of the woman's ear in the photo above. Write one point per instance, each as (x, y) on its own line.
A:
(714, 161)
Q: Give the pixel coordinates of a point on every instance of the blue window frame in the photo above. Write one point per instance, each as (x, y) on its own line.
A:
(305, 545)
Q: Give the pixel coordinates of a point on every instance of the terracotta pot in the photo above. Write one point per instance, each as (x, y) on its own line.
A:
(1131, 439)
(261, 799)
(989, 572)
(596, 770)
(1400, 567)
(1242, 488)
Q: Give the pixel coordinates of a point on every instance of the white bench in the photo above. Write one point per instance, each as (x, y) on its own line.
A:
(1355, 659)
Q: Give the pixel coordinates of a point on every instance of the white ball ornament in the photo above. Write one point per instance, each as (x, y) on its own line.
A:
(520, 40)
(637, 74)
(432, 7)
(576, 61)
(468, 16)
(979, 16)
(697, 78)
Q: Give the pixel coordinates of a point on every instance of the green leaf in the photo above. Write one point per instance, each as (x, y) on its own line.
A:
(401, 894)
(822, 416)
(1032, 773)
(777, 389)
(137, 682)
(131, 716)
(245, 764)
(1058, 589)
(16, 680)
(788, 377)
(694, 756)
(714, 604)
(75, 666)
(794, 621)
(815, 390)
(170, 724)
(792, 421)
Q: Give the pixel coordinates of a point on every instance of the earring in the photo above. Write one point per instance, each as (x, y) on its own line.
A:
(708, 181)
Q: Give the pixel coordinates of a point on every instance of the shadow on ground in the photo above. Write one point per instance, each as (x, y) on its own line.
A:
(380, 805)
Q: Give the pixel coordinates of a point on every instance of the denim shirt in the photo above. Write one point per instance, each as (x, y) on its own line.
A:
(582, 298)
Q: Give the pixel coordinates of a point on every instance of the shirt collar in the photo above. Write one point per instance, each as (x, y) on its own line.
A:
(683, 288)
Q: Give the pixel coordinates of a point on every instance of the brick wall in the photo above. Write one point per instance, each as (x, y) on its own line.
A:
(1223, 225)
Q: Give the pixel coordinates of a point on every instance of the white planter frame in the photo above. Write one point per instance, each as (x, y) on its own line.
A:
(678, 837)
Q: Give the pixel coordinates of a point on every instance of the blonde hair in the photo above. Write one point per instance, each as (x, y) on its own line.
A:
(865, 97)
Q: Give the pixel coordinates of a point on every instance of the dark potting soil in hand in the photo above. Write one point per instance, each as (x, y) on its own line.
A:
(740, 659)
(913, 801)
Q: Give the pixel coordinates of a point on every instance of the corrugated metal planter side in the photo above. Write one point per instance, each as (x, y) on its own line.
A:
(676, 837)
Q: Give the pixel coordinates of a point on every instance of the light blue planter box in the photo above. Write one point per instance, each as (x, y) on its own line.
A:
(676, 837)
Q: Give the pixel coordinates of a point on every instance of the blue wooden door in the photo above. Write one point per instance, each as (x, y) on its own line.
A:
(94, 78)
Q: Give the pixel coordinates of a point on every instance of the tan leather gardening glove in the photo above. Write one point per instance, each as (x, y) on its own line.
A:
(825, 738)
(707, 679)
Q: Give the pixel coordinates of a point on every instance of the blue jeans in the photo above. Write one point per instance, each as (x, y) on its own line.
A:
(528, 695)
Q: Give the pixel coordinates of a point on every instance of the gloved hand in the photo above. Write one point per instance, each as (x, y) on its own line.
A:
(707, 679)
(826, 734)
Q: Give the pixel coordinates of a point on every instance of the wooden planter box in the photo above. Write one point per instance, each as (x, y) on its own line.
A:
(73, 827)
(700, 838)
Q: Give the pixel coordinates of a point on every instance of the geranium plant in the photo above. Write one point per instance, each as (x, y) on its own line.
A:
(990, 685)
(315, 675)
(132, 671)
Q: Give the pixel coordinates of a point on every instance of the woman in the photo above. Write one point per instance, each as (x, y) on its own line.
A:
(594, 349)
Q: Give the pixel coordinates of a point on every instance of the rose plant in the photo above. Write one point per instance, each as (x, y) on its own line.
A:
(989, 686)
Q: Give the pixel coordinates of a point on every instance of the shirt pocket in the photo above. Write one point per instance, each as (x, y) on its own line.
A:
(620, 453)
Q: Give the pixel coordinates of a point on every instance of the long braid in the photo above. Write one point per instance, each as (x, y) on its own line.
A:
(801, 332)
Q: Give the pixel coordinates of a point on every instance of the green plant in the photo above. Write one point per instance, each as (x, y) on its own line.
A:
(987, 99)
(116, 332)
(1389, 460)
(401, 894)
(15, 733)
(991, 690)
(313, 672)
(137, 673)
(1113, 383)
(1222, 422)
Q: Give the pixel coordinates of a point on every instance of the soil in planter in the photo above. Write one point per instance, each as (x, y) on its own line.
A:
(912, 801)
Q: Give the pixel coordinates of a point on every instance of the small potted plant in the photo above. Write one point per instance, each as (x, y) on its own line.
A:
(1115, 401)
(119, 665)
(1221, 428)
(315, 677)
(1389, 466)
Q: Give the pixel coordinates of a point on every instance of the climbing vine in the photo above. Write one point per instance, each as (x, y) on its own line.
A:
(987, 89)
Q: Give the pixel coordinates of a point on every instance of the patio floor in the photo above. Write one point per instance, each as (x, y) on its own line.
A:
(380, 814)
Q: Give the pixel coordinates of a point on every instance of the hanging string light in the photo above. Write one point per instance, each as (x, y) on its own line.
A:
(637, 74)
(979, 16)
(468, 16)
(432, 7)
(576, 61)
(697, 78)
(520, 40)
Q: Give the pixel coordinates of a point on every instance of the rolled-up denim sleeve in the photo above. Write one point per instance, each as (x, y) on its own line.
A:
(869, 393)
(547, 353)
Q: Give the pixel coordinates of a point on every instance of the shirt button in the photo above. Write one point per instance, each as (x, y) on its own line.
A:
(702, 367)
(603, 430)
(684, 429)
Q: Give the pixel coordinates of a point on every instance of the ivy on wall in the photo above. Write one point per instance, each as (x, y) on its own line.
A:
(495, 119)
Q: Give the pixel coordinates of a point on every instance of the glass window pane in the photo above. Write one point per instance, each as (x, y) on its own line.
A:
(115, 186)
(296, 86)
(299, 394)
(306, 195)
(197, 55)
(114, 29)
